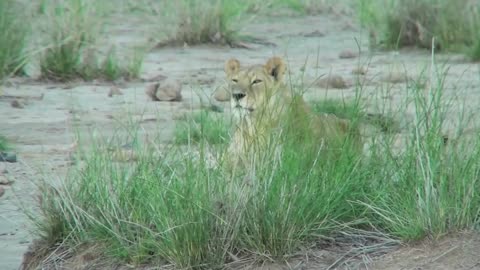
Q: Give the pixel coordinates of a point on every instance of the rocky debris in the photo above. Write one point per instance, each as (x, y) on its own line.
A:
(205, 81)
(347, 54)
(114, 91)
(124, 153)
(155, 78)
(212, 106)
(359, 71)
(19, 101)
(16, 104)
(349, 26)
(332, 81)
(221, 94)
(215, 108)
(169, 90)
(315, 33)
(8, 157)
(4, 181)
(22, 97)
(395, 77)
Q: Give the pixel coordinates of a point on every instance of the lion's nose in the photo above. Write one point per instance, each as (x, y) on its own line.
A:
(238, 96)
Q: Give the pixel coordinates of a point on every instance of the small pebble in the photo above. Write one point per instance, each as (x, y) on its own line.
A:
(16, 104)
(333, 81)
(114, 91)
(347, 54)
(8, 157)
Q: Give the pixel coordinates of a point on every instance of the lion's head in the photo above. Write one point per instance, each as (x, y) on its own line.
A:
(253, 88)
(271, 114)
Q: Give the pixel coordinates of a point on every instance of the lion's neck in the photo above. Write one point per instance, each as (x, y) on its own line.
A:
(264, 120)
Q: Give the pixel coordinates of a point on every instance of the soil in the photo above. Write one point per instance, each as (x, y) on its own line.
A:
(43, 129)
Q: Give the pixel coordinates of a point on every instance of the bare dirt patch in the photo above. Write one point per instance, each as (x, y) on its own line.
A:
(455, 251)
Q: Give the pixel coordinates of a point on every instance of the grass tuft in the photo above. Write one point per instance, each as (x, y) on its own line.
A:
(204, 126)
(309, 7)
(432, 183)
(171, 205)
(396, 24)
(212, 21)
(4, 145)
(353, 111)
(112, 69)
(72, 32)
(74, 28)
(13, 37)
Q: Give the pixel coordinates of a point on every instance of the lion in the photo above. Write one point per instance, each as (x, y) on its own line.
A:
(264, 106)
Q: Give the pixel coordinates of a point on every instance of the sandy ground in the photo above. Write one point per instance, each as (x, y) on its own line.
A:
(43, 131)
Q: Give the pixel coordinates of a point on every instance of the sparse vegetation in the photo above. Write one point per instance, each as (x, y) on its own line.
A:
(170, 205)
(303, 7)
(13, 37)
(4, 145)
(73, 30)
(352, 110)
(112, 69)
(212, 21)
(135, 63)
(431, 183)
(190, 216)
(110, 66)
(395, 24)
(204, 126)
(341, 108)
(306, 6)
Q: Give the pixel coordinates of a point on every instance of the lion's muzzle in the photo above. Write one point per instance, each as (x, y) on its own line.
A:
(238, 96)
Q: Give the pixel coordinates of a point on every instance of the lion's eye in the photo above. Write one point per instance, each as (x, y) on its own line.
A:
(234, 80)
(256, 81)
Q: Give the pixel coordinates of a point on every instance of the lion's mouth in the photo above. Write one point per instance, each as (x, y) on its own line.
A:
(238, 106)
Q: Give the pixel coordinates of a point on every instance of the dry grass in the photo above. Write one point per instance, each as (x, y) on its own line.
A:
(211, 21)
(173, 207)
(396, 24)
(13, 37)
(73, 29)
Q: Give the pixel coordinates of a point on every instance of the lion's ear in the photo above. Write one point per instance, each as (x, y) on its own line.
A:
(276, 68)
(232, 66)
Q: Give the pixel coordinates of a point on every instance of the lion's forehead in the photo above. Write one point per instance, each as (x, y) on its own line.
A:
(251, 73)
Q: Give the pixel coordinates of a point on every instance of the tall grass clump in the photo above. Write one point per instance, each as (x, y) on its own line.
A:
(173, 206)
(73, 30)
(394, 24)
(4, 145)
(300, 193)
(14, 31)
(429, 188)
(203, 126)
(211, 21)
(352, 110)
(309, 7)
(147, 212)
(112, 69)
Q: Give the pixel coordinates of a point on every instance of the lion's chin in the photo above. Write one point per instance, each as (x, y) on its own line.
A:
(241, 108)
(242, 112)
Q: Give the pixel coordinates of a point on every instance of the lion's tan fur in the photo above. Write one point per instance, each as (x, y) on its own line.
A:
(263, 103)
